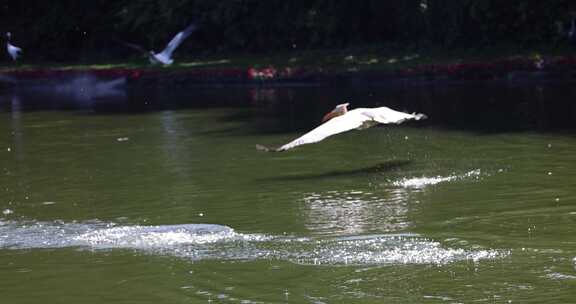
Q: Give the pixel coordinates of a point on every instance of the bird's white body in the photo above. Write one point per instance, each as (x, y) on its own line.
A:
(360, 118)
(165, 56)
(160, 58)
(12, 50)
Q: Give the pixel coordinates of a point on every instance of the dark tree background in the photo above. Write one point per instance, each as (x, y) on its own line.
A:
(75, 30)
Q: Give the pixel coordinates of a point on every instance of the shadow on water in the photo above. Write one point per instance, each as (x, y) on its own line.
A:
(374, 169)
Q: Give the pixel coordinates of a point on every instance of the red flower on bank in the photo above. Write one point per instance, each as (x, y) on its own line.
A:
(262, 74)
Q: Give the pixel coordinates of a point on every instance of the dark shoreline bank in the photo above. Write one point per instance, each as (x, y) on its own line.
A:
(560, 68)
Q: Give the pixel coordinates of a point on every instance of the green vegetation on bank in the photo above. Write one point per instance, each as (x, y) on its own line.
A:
(70, 31)
(346, 59)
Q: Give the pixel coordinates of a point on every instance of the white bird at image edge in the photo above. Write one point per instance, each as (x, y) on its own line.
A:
(12, 50)
(341, 120)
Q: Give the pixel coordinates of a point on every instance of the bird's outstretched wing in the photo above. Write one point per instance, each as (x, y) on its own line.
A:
(340, 124)
(13, 51)
(385, 115)
(177, 40)
(354, 119)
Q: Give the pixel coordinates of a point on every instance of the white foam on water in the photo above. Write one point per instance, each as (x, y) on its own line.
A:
(560, 276)
(398, 249)
(217, 242)
(142, 237)
(98, 235)
(421, 182)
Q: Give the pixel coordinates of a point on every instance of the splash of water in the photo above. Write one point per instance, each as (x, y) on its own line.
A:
(207, 241)
(421, 182)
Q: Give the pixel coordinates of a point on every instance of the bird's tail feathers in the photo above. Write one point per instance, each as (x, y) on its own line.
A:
(266, 149)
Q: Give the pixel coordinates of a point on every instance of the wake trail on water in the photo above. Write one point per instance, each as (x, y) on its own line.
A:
(424, 181)
(218, 242)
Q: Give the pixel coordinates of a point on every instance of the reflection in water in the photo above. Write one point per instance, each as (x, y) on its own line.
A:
(175, 152)
(356, 212)
(263, 96)
(16, 124)
(82, 91)
(86, 89)
(510, 106)
(17, 170)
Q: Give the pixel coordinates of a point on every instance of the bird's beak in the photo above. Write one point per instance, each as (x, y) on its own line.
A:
(330, 115)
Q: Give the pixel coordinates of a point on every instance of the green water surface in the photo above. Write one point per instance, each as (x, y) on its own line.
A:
(416, 213)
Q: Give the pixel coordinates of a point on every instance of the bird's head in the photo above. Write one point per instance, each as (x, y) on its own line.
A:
(339, 110)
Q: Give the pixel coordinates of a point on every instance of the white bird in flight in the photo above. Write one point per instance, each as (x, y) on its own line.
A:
(341, 120)
(13, 50)
(165, 56)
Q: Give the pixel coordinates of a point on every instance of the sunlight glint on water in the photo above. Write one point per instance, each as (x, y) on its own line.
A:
(202, 241)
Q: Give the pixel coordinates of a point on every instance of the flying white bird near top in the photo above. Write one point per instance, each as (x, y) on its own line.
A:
(341, 120)
(13, 50)
(165, 56)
